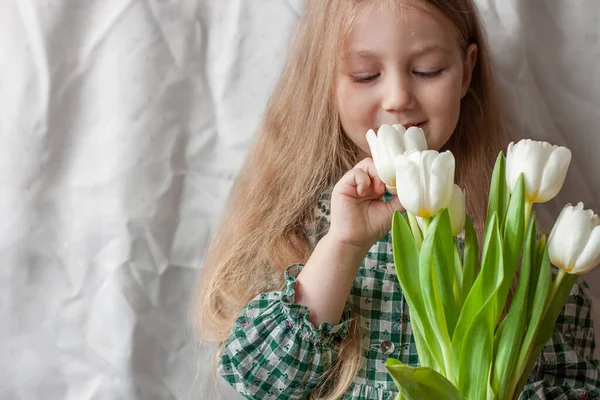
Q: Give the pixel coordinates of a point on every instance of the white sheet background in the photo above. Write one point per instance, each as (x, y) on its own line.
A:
(122, 126)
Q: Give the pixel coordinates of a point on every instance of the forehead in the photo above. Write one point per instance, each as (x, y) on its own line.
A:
(383, 27)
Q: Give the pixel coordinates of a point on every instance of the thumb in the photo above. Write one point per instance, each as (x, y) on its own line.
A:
(390, 207)
(395, 204)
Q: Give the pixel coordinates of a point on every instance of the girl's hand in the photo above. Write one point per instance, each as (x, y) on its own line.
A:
(359, 217)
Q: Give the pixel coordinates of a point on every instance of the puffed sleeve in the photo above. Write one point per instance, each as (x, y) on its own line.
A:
(274, 351)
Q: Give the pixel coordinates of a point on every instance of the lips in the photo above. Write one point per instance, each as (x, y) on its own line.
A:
(406, 125)
(417, 124)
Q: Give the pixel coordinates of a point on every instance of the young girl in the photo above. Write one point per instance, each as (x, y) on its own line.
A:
(299, 286)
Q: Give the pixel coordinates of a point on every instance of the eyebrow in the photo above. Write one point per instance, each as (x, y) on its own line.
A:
(361, 54)
(418, 51)
(431, 48)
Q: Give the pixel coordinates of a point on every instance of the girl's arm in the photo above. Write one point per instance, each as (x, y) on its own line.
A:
(283, 343)
(358, 219)
(325, 282)
(274, 352)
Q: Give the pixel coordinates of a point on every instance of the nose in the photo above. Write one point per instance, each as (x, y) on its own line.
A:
(398, 96)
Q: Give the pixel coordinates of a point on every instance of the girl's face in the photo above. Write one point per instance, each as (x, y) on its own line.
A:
(402, 66)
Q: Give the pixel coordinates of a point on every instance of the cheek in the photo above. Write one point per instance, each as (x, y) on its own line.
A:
(444, 101)
(357, 111)
(356, 107)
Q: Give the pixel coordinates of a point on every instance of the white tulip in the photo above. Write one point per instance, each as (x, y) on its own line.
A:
(425, 181)
(456, 211)
(543, 165)
(574, 242)
(389, 142)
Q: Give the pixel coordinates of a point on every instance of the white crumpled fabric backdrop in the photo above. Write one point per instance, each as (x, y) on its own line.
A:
(122, 126)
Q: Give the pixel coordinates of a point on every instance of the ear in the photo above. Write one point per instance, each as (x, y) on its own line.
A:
(468, 66)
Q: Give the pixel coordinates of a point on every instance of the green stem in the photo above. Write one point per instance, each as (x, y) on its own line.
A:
(528, 207)
(524, 364)
(458, 275)
(557, 281)
(447, 354)
(416, 231)
(426, 223)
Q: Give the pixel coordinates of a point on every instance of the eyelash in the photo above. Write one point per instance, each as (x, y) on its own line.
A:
(420, 74)
(428, 74)
(365, 79)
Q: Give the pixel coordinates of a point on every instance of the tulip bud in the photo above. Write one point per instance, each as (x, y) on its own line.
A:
(456, 211)
(574, 242)
(389, 142)
(425, 181)
(543, 165)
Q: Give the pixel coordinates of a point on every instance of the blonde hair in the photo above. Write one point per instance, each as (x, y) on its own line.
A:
(301, 151)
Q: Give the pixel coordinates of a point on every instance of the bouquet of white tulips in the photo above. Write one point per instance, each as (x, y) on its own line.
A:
(466, 350)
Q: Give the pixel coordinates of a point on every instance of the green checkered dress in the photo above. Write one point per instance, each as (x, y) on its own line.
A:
(274, 352)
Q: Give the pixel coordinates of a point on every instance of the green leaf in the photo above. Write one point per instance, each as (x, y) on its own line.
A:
(544, 281)
(458, 278)
(535, 272)
(518, 388)
(436, 286)
(473, 339)
(554, 309)
(443, 266)
(514, 232)
(546, 327)
(470, 259)
(425, 357)
(418, 383)
(416, 230)
(406, 260)
(499, 194)
(510, 335)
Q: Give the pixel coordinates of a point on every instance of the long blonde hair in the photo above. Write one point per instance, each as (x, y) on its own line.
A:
(301, 151)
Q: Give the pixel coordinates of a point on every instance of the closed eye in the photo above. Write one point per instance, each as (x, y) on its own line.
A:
(427, 74)
(365, 78)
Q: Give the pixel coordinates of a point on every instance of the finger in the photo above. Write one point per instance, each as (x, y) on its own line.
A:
(362, 182)
(368, 166)
(358, 184)
(352, 181)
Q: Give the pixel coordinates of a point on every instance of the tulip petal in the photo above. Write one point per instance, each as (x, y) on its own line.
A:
(508, 167)
(390, 145)
(441, 180)
(400, 129)
(590, 256)
(530, 159)
(392, 140)
(409, 188)
(568, 236)
(556, 251)
(414, 139)
(372, 141)
(554, 174)
(388, 172)
(379, 158)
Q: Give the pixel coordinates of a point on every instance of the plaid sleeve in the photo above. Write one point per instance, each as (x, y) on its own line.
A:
(567, 368)
(273, 351)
